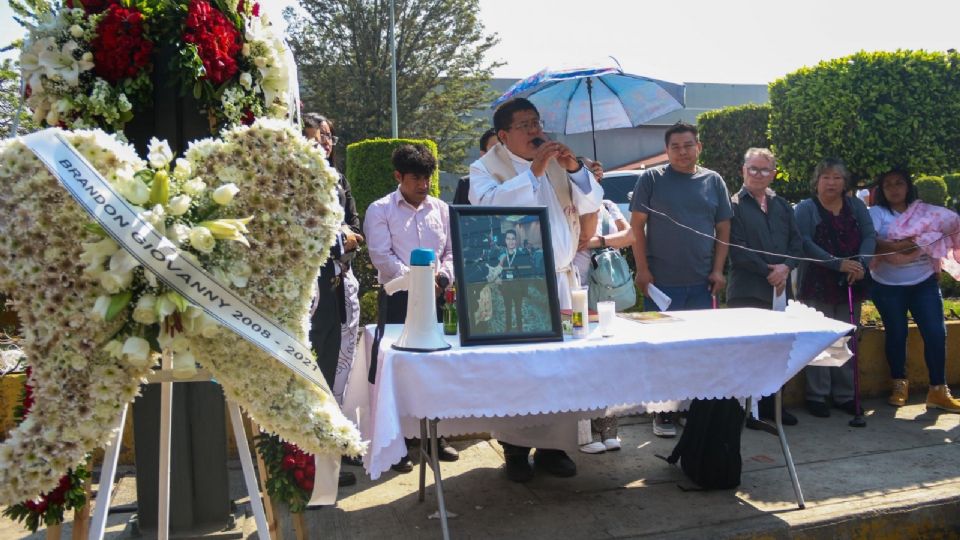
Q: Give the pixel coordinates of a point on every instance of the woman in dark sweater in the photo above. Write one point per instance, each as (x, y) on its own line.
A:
(837, 229)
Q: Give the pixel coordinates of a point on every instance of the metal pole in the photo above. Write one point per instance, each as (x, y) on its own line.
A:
(593, 131)
(394, 129)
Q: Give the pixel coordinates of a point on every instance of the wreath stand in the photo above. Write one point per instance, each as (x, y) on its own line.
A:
(165, 378)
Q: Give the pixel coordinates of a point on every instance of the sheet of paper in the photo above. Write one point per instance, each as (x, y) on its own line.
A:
(779, 300)
(658, 297)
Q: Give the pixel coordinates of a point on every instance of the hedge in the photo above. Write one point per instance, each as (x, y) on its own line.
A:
(875, 110)
(370, 170)
(727, 133)
(931, 190)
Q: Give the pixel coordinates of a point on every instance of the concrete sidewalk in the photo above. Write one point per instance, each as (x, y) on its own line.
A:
(896, 478)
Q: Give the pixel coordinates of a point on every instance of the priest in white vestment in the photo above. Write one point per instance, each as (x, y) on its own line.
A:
(525, 169)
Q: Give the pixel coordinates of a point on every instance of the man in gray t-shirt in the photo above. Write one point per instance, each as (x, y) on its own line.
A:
(686, 266)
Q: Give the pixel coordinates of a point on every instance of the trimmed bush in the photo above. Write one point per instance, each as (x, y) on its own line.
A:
(874, 110)
(932, 190)
(370, 170)
(727, 133)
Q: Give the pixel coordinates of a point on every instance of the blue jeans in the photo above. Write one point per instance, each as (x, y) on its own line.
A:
(925, 304)
(683, 298)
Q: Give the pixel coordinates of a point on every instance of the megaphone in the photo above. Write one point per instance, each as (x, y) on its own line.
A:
(421, 331)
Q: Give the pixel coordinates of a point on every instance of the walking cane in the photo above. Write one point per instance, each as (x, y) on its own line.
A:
(858, 420)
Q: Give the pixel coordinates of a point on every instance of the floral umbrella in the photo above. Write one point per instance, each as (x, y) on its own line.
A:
(585, 99)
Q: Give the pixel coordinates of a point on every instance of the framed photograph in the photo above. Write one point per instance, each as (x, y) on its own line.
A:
(506, 277)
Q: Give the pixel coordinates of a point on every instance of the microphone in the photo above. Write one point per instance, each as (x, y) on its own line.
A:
(537, 142)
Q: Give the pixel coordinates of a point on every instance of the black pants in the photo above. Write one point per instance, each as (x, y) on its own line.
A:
(325, 325)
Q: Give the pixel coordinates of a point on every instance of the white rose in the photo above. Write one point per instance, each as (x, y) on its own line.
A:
(76, 31)
(224, 194)
(135, 191)
(123, 261)
(246, 80)
(159, 153)
(194, 187)
(183, 169)
(114, 282)
(184, 365)
(100, 307)
(178, 233)
(145, 310)
(260, 61)
(179, 205)
(245, 50)
(202, 239)
(240, 274)
(136, 351)
(164, 306)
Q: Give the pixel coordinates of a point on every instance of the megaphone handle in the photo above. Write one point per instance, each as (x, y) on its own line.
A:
(377, 335)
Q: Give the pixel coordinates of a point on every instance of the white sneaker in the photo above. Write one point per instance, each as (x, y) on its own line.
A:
(612, 445)
(663, 426)
(595, 447)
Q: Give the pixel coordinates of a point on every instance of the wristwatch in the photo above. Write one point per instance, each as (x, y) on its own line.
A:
(443, 281)
(603, 241)
(580, 166)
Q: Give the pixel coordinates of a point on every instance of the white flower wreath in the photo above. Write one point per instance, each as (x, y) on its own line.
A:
(256, 208)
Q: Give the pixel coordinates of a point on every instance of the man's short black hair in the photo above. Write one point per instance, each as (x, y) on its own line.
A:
(414, 158)
(503, 116)
(486, 137)
(680, 127)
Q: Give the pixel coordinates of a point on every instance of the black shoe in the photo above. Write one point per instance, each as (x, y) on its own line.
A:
(347, 478)
(786, 418)
(518, 467)
(760, 425)
(850, 407)
(818, 409)
(352, 461)
(447, 452)
(403, 466)
(555, 462)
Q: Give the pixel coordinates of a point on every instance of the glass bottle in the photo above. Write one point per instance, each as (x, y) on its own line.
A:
(450, 319)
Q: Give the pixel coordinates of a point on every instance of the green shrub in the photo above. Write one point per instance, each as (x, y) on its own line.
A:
(953, 184)
(932, 190)
(949, 286)
(370, 170)
(368, 307)
(727, 133)
(875, 110)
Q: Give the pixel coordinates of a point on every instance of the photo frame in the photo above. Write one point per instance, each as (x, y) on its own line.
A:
(506, 277)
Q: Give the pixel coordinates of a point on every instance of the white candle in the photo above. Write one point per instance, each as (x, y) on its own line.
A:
(578, 300)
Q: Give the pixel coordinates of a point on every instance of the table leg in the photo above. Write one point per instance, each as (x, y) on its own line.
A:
(778, 414)
(437, 480)
(423, 458)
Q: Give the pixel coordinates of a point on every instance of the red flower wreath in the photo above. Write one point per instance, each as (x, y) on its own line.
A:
(120, 49)
(216, 38)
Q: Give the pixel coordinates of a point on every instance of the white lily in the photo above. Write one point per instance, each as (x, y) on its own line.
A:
(136, 351)
(61, 63)
(30, 63)
(224, 194)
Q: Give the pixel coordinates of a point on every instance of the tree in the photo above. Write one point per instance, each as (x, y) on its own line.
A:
(10, 101)
(873, 110)
(343, 57)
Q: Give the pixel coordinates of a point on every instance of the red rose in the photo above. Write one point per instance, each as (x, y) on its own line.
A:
(307, 484)
(217, 41)
(301, 461)
(309, 470)
(120, 50)
(298, 475)
(248, 118)
(92, 7)
(288, 463)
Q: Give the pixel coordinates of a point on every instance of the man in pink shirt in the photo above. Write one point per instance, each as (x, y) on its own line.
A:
(407, 219)
(395, 225)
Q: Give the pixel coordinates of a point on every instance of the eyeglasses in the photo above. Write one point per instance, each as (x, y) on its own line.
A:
(528, 125)
(754, 171)
(333, 139)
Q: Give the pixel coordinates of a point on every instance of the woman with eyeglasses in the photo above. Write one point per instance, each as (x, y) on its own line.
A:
(765, 222)
(906, 280)
(333, 332)
(837, 230)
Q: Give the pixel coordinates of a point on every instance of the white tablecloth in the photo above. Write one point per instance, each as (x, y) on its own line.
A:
(705, 354)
